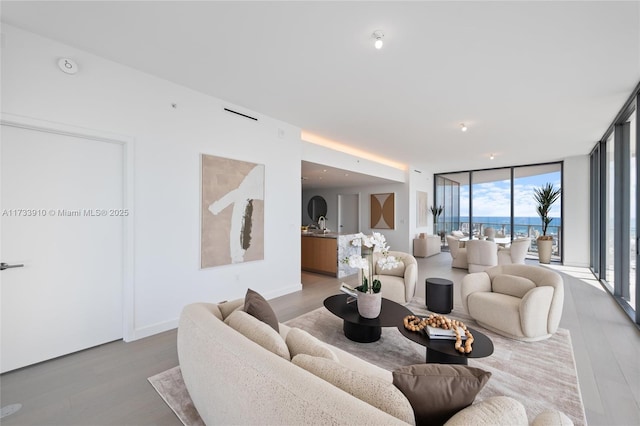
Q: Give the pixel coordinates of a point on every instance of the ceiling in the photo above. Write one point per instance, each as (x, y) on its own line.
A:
(533, 81)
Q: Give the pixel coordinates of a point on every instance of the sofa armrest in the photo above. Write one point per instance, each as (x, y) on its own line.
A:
(534, 311)
(498, 410)
(472, 283)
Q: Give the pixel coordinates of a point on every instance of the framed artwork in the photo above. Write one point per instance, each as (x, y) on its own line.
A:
(232, 210)
(383, 211)
(423, 210)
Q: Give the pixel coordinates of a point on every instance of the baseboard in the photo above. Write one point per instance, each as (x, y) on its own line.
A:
(141, 333)
(282, 291)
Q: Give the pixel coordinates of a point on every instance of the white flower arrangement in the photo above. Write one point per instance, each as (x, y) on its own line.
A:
(377, 244)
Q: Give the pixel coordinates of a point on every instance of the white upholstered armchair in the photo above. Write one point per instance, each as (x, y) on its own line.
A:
(523, 302)
(515, 253)
(458, 254)
(398, 284)
(481, 255)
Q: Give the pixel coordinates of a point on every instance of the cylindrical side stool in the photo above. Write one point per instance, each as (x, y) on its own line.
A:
(439, 293)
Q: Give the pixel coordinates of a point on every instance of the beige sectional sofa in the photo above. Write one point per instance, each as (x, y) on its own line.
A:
(238, 372)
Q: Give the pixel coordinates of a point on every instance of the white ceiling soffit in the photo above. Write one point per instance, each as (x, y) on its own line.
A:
(533, 81)
(319, 176)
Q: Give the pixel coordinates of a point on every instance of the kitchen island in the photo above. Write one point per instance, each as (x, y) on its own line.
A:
(324, 253)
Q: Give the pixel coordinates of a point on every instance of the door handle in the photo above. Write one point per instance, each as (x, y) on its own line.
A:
(4, 266)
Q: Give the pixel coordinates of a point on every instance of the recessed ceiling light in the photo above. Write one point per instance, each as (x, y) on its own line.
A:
(491, 157)
(463, 127)
(324, 171)
(378, 35)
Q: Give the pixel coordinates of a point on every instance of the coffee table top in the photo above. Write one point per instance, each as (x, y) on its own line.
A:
(482, 345)
(391, 314)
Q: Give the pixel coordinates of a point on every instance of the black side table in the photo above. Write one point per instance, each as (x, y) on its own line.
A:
(439, 292)
(365, 330)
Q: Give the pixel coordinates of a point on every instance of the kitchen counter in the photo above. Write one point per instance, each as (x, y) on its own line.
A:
(323, 253)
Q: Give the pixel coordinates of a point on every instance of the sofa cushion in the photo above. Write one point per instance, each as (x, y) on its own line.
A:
(512, 285)
(438, 391)
(497, 410)
(300, 342)
(227, 307)
(552, 418)
(256, 305)
(259, 332)
(372, 390)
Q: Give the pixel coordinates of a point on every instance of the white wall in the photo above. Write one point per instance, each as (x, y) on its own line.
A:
(576, 216)
(397, 238)
(109, 97)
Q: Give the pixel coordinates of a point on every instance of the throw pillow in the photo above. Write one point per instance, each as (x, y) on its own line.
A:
(259, 332)
(372, 390)
(438, 391)
(300, 342)
(398, 271)
(227, 307)
(257, 306)
(511, 285)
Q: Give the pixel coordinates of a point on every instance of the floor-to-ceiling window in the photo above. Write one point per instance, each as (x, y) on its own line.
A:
(491, 201)
(610, 218)
(630, 295)
(614, 207)
(448, 197)
(502, 199)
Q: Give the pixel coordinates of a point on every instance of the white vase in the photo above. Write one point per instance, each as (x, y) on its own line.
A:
(544, 250)
(369, 305)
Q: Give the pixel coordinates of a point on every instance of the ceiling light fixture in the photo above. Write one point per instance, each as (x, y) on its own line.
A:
(463, 127)
(378, 35)
(491, 157)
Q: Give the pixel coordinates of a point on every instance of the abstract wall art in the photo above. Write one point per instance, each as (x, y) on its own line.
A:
(422, 213)
(232, 210)
(383, 211)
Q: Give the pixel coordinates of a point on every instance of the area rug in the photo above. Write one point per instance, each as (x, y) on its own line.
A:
(541, 375)
(170, 386)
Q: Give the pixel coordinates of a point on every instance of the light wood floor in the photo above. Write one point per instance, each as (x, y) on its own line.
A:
(107, 385)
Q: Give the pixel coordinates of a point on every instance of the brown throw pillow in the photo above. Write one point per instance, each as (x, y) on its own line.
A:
(438, 391)
(257, 306)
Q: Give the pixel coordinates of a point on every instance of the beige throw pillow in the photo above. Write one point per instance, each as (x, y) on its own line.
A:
(372, 390)
(300, 342)
(398, 271)
(512, 285)
(227, 307)
(258, 332)
(438, 391)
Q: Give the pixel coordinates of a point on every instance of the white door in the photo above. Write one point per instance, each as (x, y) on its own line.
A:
(61, 198)
(348, 213)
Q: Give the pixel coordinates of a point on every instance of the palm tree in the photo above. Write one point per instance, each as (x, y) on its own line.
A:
(545, 196)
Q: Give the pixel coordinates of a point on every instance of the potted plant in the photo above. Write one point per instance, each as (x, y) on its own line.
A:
(369, 297)
(436, 211)
(545, 196)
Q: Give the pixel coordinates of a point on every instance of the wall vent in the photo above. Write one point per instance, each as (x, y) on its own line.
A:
(241, 114)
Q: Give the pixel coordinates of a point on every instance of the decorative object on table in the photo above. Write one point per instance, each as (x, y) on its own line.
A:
(232, 211)
(369, 297)
(383, 211)
(545, 197)
(436, 212)
(458, 328)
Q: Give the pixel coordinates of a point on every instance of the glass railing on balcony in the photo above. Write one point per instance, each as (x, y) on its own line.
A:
(502, 229)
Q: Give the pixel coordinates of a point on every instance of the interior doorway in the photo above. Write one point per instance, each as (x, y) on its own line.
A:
(348, 213)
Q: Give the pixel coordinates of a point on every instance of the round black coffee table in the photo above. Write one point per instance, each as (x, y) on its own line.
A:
(442, 351)
(360, 329)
